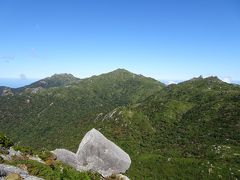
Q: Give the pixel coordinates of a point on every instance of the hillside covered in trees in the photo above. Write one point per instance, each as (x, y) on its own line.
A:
(188, 130)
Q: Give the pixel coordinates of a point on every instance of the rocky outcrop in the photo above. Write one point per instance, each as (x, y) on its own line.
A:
(9, 153)
(67, 157)
(33, 90)
(96, 153)
(99, 154)
(7, 171)
(7, 92)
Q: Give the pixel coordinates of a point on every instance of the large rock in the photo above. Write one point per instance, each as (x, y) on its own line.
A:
(96, 153)
(67, 157)
(99, 154)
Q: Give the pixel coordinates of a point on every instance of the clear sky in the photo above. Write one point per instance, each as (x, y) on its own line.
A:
(164, 39)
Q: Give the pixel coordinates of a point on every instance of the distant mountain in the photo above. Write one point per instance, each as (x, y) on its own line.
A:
(57, 80)
(188, 130)
(47, 111)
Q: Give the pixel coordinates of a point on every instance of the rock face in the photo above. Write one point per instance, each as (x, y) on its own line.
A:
(99, 154)
(96, 153)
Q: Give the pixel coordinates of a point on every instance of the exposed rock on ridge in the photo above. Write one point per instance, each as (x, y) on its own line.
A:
(96, 153)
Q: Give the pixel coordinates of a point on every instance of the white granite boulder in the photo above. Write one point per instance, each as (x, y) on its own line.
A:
(99, 154)
(96, 153)
(67, 157)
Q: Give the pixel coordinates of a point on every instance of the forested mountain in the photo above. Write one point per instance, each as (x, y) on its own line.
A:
(65, 111)
(185, 131)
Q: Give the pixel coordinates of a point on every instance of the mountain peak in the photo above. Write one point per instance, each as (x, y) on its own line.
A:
(209, 79)
(62, 75)
(213, 79)
(56, 80)
(121, 70)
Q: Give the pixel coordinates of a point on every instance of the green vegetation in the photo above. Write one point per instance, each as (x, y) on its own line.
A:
(53, 115)
(184, 131)
(57, 80)
(53, 172)
(5, 141)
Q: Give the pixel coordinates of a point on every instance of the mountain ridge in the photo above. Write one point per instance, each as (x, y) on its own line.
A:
(67, 76)
(163, 128)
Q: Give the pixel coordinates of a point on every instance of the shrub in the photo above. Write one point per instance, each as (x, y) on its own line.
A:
(5, 141)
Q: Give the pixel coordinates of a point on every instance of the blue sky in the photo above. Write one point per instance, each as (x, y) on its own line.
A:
(164, 39)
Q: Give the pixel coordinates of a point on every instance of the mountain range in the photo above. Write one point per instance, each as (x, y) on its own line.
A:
(188, 130)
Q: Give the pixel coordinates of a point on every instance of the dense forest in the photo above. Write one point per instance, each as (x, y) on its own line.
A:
(188, 130)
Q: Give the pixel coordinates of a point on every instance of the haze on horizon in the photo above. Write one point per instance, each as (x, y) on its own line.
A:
(166, 40)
